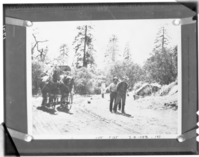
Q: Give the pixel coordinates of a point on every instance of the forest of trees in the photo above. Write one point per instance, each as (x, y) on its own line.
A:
(160, 67)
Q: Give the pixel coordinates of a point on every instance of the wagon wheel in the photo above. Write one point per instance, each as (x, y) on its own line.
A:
(53, 102)
(66, 103)
(48, 101)
(70, 98)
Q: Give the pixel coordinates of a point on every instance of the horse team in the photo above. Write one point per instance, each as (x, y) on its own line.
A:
(57, 89)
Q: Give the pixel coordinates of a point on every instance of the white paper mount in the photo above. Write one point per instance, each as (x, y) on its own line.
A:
(18, 22)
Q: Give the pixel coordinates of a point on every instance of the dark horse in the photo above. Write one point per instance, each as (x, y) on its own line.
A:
(50, 90)
(66, 88)
(121, 96)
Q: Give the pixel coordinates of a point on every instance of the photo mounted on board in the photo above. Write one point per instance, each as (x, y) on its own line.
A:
(108, 79)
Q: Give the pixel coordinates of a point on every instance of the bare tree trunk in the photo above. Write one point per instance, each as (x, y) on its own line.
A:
(85, 41)
(36, 45)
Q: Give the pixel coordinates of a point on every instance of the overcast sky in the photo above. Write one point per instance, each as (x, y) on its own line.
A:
(139, 33)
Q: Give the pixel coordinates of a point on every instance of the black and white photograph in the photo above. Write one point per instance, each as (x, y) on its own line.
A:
(104, 79)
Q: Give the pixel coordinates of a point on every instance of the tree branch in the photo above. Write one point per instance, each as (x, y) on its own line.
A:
(36, 44)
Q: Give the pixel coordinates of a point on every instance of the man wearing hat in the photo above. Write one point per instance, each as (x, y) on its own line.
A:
(113, 92)
(122, 89)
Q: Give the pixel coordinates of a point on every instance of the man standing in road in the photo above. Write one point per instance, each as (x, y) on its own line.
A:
(113, 92)
(122, 89)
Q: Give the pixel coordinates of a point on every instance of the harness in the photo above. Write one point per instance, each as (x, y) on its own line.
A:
(65, 85)
(48, 80)
(43, 87)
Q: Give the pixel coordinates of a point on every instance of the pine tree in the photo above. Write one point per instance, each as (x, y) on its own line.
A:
(63, 57)
(127, 54)
(84, 48)
(162, 39)
(112, 52)
(174, 61)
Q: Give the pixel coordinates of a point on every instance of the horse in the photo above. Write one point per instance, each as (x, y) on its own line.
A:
(66, 87)
(50, 89)
(121, 96)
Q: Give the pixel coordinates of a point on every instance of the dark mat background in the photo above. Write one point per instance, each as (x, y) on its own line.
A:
(15, 76)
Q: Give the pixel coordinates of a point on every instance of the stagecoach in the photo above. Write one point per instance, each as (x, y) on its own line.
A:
(57, 90)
